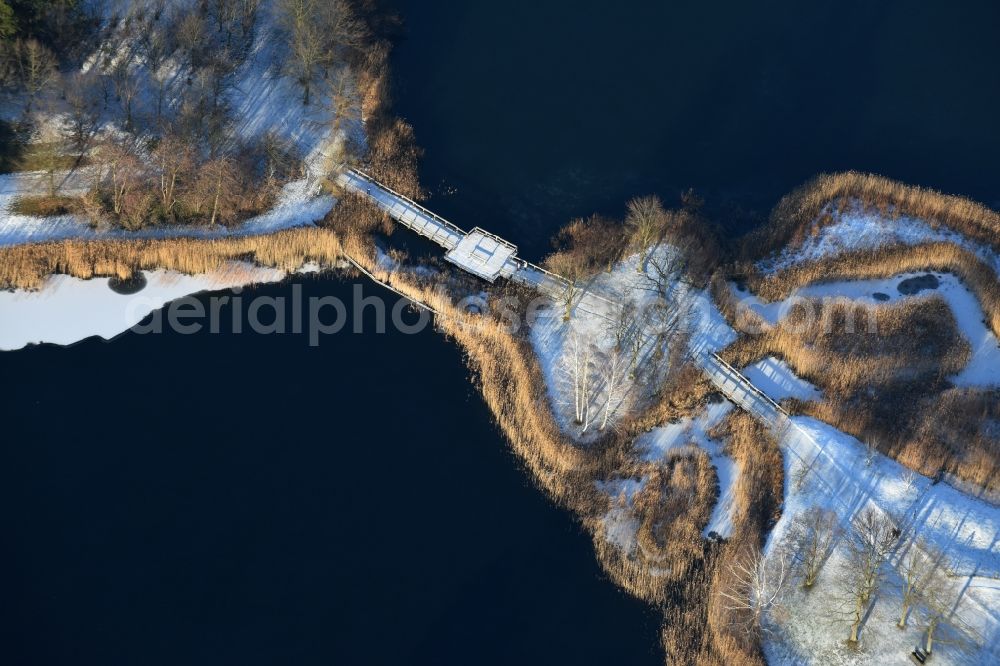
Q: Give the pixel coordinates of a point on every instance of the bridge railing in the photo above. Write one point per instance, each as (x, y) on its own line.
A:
(410, 202)
(747, 384)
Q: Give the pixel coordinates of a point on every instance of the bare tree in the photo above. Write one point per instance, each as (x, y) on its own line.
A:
(175, 160)
(191, 37)
(345, 108)
(577, 368)
(941, 623)
(127, 89)
(309, 46)
(754, 589)
(645, 221)
(667, 269)
(614, 369)
(248, 17)
(568, 267)
(36, 67)
(869, 542)
(219, 175)
(83, 101)
(624, 324)
(119, 155)
(156, 48)
(922, 575)
(812, 535)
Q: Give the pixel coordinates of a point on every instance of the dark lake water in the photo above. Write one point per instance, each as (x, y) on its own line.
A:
(243, 499)
(535, 112)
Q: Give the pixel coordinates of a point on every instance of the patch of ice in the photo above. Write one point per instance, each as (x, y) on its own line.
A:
(67, 309)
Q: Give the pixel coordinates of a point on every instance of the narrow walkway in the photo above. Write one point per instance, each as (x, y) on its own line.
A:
(478, 252)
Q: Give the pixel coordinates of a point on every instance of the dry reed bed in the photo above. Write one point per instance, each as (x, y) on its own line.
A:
(794, 216)
(707, 614)
(26, 266)
(980, 278)
(853, 345)
(890, 387)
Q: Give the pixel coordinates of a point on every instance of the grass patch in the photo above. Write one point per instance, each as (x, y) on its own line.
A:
(45, 206)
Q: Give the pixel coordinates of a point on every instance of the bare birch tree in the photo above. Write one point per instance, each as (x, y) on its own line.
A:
(577, 368)
(754, 590)
(614, 371)
(938, 611)
(922, 575)
(175, 160)
(812, 536)
(869, 542)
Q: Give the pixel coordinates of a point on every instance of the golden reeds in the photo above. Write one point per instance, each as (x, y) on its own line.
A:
(25, 266)
(796, 213)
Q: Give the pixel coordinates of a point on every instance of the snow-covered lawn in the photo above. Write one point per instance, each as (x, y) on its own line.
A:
(984, 366)
(838, 478)
(66, 309)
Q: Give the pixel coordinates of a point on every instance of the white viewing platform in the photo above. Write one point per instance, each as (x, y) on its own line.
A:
(483, 254)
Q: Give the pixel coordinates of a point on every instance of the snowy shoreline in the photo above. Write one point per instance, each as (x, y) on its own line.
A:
(66, 310)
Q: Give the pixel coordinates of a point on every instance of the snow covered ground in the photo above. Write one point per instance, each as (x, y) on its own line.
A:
(825, 467)
(694, 431)
(66, 309)
(778, 381)
(262, 101)
(300, 203)
(860, 230)
(838, 478)
(593, 326)
(984, 366)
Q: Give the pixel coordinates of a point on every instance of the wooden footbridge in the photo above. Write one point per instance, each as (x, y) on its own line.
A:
(490, 257)
(478, 251)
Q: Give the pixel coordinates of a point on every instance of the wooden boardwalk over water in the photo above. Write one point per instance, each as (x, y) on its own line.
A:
(477, 251)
